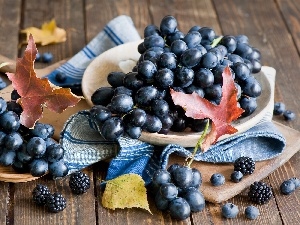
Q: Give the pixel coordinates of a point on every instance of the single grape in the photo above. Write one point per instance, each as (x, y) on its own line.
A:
(161, 203)
(242, 38)
(100, 113)
(192, 39)
(3, 105)
(36, 147)
(7, 157)
(102, 96)
(132, 81)
(54, 153)
(9, 121)
(159, 107)
(191, 57)
(289, 115)
(207, 34)
(58, 168)
(197, 178)
(179, 208)
(183, 76)
(164, 78)
(178, 47)
(195, 199)
(154, 41)
(177, 35)
(167, 60)
(234, 58)
(152, 124)
(179, 124)
(145, 95)
(229, 42)
(168, 25)
(151, 30)
(133, 132)
(122, 90)
(161, 176)
(146, 70)
(251, 87)
(182, 177)
(248, 104)
(38, 167)
(115, 79)
(168, 191)
(112, 128)
(193, 88)
(121, 103)
(241, 71)
(243, 49)
(209, 60)
(43, 130)
(13, 141)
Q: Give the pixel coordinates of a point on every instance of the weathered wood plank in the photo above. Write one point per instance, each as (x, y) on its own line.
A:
(10, 16)
(288, 204)
(272, 37)
(291, 13)
(95, 21)
(68, 15)
(5, 202)
(80, 209)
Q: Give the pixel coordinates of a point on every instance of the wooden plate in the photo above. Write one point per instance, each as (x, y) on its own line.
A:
(124, 57)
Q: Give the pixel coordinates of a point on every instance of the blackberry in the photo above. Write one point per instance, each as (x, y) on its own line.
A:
(56, 202)
(40, 194)
(79, 182)
(260, 192)
(244, 164)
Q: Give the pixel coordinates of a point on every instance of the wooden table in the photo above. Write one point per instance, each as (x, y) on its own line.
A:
(272, 26)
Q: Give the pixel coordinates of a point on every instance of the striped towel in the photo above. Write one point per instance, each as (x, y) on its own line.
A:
(118, 31)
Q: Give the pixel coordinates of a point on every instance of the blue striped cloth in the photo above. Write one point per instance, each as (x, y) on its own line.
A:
(118, 31)
(85, 146)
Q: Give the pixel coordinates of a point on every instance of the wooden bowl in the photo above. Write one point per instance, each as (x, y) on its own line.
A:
(124, 57)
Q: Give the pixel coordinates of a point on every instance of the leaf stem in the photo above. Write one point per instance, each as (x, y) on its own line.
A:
(199, 142)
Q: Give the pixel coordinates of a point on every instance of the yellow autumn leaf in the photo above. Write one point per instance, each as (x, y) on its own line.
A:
(48, 34)
(125, 191)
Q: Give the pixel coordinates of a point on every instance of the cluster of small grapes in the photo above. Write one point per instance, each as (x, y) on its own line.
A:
(31, 151)
(46, 57)
(176, 190)
(279, 109)
(192, 62)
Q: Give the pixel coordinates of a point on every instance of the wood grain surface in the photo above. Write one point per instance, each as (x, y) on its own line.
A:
(272, 26)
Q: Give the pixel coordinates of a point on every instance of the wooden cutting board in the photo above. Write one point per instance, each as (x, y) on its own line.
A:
(262, 170)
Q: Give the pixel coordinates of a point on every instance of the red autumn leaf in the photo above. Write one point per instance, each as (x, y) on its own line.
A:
(36, 92)
(221, 115)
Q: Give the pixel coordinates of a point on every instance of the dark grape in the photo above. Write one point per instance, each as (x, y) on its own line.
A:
(192, 39)
(151, 30)
(183, 76)
(152, 124)
(58, 168)
(132, 81)
(248, 104)
(9, 121)
(164, 78)
(112, 128)
(154, 41)
(168, 191)
(229, 42)
(121, 103)
(178, 47)
(182, 176)
(36, 147)
(54, 153)
(38, 167)
(179, 208)
(168, 25)
(167, 60)
(100, 113)
(207, 34)
(209, 60)
(191, 57)
(145, 95)
(13, 141)
(159, 107)
(7, 157)
(204, 78)
(3, 105)
(102, 96)
(146, 70)
(115, 79)
(195, 199)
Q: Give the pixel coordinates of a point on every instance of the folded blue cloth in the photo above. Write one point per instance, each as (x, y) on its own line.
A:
(118, 31)
(85, 146)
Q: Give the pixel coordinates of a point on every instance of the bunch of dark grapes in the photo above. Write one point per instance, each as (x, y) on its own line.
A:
(31, 151)
(176, 190)
(191, 62)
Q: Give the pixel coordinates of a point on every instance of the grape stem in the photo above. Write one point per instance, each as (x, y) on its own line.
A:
(216, 41)
(199, 142)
